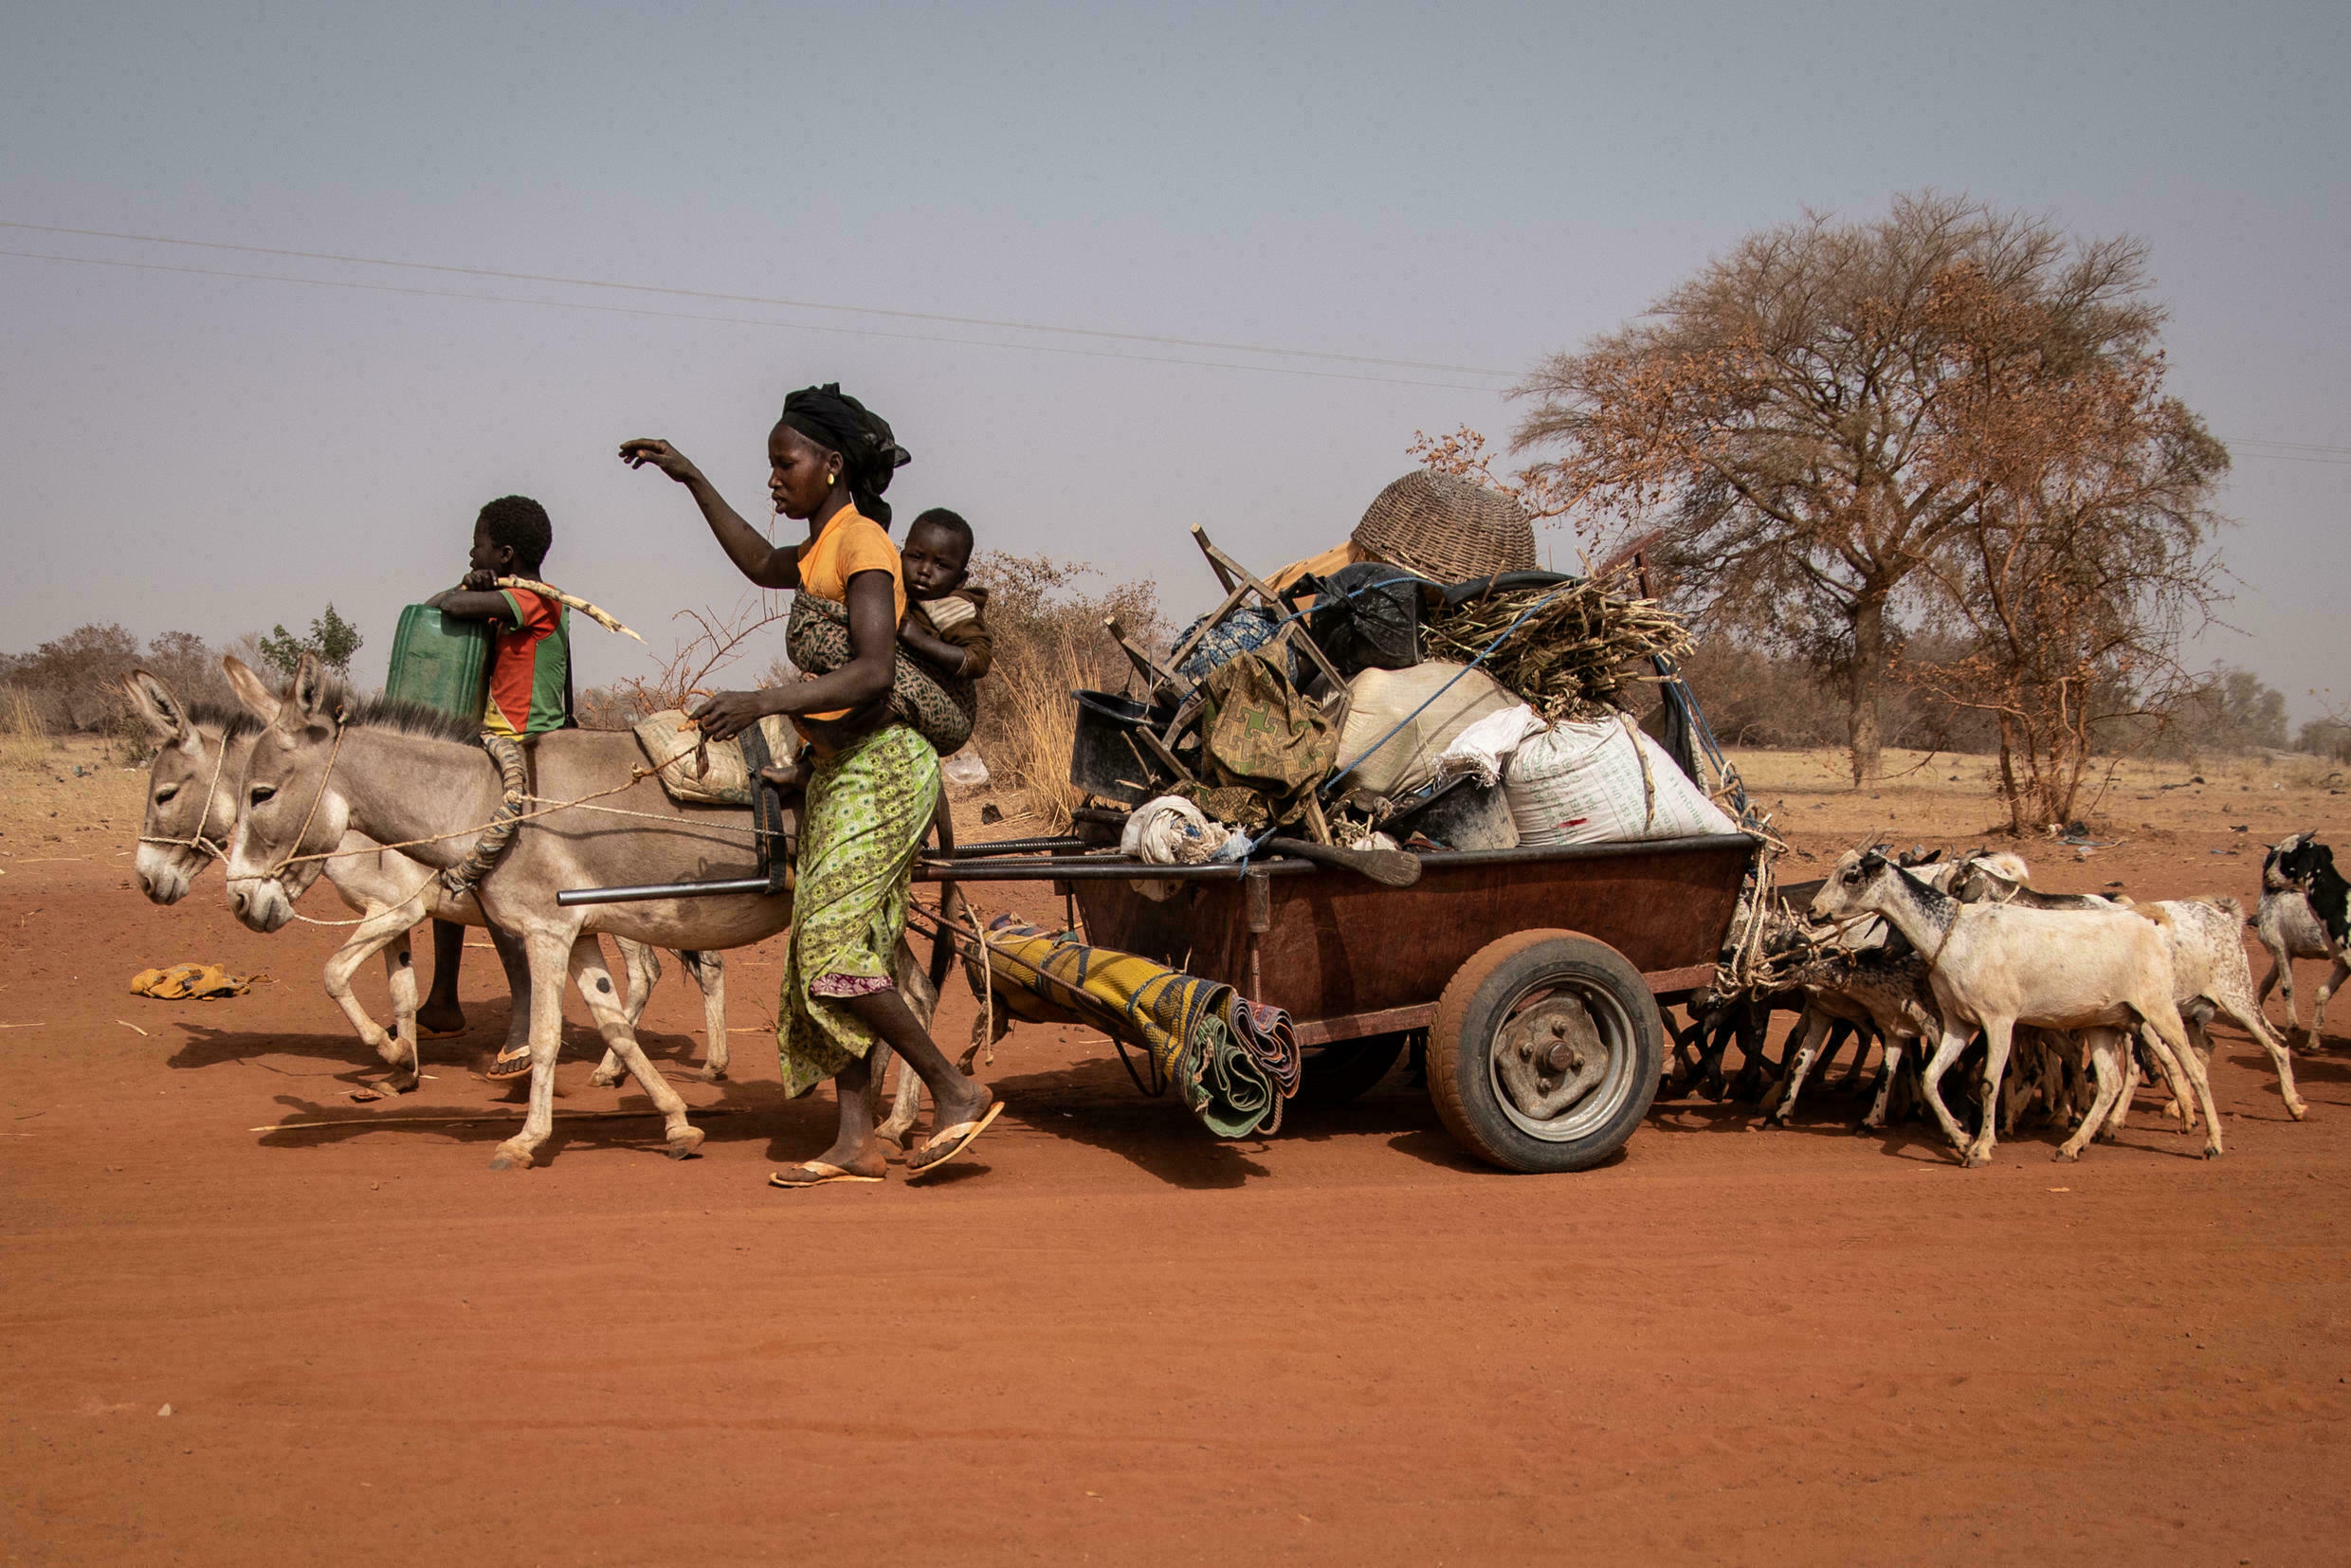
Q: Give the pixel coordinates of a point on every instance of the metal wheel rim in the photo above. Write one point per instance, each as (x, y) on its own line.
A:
(1618, 1035)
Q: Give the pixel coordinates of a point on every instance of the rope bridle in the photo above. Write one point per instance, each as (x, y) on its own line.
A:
(199, 841)
(326, 775)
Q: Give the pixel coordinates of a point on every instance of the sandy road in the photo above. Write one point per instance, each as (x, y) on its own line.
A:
(1111, 1338)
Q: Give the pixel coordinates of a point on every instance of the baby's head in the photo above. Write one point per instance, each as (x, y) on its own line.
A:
(511, 537)
(936, 555)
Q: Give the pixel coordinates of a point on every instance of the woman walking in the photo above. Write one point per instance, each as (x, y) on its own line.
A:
(874, 786)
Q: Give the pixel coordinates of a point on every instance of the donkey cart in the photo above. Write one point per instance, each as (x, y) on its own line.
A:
(1535, 974)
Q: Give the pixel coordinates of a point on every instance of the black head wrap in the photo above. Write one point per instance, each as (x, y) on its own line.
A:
(869, 453)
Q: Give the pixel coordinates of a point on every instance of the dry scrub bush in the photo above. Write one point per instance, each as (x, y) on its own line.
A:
(1049, 641)
(718, 638)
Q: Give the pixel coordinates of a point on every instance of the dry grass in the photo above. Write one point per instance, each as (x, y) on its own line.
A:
(1037, 729)
(25, 744)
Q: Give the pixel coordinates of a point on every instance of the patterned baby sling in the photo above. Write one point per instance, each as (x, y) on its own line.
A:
(940, 708)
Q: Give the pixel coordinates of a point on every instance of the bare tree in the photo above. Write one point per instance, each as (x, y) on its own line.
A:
(2083, 559)
(1796, 422)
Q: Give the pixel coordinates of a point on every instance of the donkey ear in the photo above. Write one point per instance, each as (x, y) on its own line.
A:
(166, 721)
(253, 693)
(316, 698)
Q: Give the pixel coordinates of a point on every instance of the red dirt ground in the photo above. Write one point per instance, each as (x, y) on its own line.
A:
(1109, 1336)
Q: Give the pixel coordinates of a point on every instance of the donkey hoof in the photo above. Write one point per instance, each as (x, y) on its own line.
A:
(510, 1157)
(685, 1143)
(603, 1080)
(712, 1075)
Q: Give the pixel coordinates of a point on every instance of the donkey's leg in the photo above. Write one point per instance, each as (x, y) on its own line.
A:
(400, 980)
(642, 965)
(595, 983)
(374, 934)
(709, 972)
(549, 949)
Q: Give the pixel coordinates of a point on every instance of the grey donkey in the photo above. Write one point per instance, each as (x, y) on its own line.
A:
(191, 810)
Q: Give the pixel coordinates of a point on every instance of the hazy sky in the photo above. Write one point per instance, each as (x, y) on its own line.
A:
(1462, 186)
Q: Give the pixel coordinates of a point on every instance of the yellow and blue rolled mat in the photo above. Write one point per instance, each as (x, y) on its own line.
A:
(1231, 1060)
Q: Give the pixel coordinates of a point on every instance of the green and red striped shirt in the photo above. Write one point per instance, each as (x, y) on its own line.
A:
(529, 667)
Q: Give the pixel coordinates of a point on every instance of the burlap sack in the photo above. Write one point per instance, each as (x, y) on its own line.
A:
(715, 774)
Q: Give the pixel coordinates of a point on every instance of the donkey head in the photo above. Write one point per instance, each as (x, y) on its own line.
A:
(287, 803)
(191, 791)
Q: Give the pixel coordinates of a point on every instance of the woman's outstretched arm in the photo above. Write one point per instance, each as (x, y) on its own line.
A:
(873, 655)
(769, 565)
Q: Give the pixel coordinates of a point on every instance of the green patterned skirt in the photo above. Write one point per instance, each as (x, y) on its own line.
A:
(867, 811)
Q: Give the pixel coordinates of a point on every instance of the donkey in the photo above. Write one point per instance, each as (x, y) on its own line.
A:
(326, 764)
(191, 808)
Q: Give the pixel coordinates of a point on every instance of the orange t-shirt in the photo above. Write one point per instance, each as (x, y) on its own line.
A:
(850, 543)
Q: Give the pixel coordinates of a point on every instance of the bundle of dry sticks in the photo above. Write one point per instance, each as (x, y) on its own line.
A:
(1569, 651)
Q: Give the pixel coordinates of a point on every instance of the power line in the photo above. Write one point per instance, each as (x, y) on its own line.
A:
(2289, 452)
(1006, 325)
(735, 321)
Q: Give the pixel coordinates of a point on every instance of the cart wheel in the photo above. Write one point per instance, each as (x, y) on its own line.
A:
(1344, 1070)
(1545, 1052)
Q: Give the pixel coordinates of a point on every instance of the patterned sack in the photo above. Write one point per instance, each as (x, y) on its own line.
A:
(1258, 734)
(939, 708)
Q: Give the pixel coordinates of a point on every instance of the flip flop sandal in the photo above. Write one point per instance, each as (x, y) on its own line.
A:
(816, 1173)
(950, 1141)
(515, 1065)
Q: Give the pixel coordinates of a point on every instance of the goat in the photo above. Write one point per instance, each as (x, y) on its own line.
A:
(2288, 925)
(2208, 969)
(1880, 988)
(1995, 966)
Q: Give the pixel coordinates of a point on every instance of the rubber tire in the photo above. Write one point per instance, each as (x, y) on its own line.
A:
(1471, 1012)
(1346, 1069)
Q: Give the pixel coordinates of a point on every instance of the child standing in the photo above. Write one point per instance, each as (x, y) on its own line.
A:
(530, 691)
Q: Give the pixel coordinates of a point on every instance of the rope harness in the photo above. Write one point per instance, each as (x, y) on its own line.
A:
(197, 840)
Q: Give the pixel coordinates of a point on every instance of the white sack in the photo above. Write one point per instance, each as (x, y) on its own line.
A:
(1481, 749)
(1381, 699)
(1583, 783)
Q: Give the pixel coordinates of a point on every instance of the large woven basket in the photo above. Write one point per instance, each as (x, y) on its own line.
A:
(1447, 529)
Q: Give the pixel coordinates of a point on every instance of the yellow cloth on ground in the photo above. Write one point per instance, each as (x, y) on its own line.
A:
(184, 982)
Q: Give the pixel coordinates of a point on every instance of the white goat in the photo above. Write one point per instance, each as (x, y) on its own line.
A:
(2209, 973)
(1995, 966)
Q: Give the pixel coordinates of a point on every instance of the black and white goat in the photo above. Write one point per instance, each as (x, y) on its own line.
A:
(2290, 927)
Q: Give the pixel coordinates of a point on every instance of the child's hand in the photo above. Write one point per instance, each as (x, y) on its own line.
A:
(645, 450)
(478, 582)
